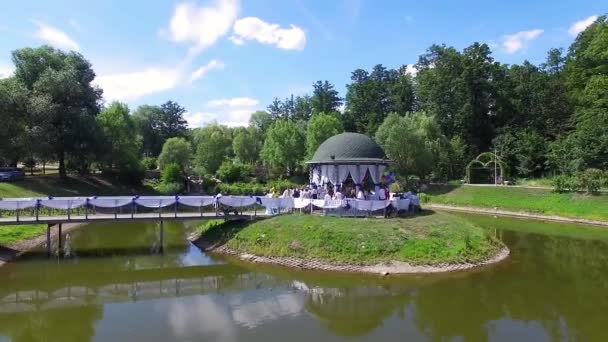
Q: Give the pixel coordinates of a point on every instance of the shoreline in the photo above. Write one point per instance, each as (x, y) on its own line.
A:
(517, 214)
(384, 269)
(11, 252)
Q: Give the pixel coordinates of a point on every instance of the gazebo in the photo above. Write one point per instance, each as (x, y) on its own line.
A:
(347, 154)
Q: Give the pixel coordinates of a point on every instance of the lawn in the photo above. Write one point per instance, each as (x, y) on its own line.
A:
(430, 238)
(538, 201)
(13, 234)
(53, 185)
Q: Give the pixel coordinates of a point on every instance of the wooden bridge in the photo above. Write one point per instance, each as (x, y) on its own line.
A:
(55, 212)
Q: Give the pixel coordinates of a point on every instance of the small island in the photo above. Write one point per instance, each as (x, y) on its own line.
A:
(426, 243)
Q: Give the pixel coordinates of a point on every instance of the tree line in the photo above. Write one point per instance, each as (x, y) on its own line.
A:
(544, 119)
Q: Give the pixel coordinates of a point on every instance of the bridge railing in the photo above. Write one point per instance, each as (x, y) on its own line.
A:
(164, 206)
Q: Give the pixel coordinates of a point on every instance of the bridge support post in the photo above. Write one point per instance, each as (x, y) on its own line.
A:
(48, 240)
(161, 236)
(60, 241)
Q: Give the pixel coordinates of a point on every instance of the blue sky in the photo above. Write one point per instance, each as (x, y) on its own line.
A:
(223, 59)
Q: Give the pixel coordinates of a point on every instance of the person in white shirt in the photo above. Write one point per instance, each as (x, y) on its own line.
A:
(338, 196)
(360, 195)
(381, 193)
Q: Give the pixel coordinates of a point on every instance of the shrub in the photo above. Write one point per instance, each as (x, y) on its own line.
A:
(233, 172)
(149, 163)
(590, 180)
(172, 173)
(564, 183)
(395, 187)
(281, 185)
(171, 188)
(242, 189)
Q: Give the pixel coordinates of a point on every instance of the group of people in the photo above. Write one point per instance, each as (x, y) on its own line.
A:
(316, 192)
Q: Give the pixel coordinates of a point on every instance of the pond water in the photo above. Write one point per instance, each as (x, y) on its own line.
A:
(554, 287)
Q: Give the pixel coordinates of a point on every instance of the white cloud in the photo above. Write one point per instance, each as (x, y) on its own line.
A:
(6, 71)
(581, 25)
(199, 119)
(517, 41)
(135, 84)
(252, 28)
(55, 37)
(202, 26)
(234, 102)
(213, 64)
(131, 85)
(411, 69)
(236, 40)
(232, 112)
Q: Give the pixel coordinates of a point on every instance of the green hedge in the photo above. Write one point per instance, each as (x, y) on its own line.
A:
(257, 189)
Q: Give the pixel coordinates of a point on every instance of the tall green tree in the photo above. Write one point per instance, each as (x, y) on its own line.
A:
(324, 98)
(247, 144)
(321, 127)
(122, 145)
(147, 119)
(371, 96)
(176, 151)
(213, 145)
(587, 77)
(64, 81)
(261, 121)
(414, 142)
(283, 148)
(14, 118)
(156, 124)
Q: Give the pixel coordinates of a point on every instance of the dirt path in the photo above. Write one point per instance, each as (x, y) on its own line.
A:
(12, 251)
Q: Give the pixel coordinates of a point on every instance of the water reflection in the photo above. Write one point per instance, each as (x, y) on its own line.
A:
(551, 289)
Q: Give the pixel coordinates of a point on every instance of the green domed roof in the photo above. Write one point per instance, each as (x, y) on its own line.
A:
(349, 147)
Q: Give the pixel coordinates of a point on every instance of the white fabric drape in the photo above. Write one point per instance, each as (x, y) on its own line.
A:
(369, 205)
(362, 171)
(283, 203)
(325, 170)
(110, 202)
(316, 175)
(415, 200)
(155, 201)
(374, 174)
(196, 201)
(381, 169)
(343, 172)
(63, 202)
(17, 203)
(333, 174)
(237, 201)
(401, 204)
(300, 203)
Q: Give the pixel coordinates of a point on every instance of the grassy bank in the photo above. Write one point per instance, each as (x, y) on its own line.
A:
(430, 239)
(52, 185)
(538, 201)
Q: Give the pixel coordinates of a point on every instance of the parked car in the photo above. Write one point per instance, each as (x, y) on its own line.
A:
(8, 174)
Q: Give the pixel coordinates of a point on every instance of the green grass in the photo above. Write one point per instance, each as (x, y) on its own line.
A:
(432, 238)
(13, 234)
(52, 185)
(538, 201)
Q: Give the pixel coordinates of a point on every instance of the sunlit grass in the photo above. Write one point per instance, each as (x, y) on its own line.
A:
(539, 201)
(433, 238)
